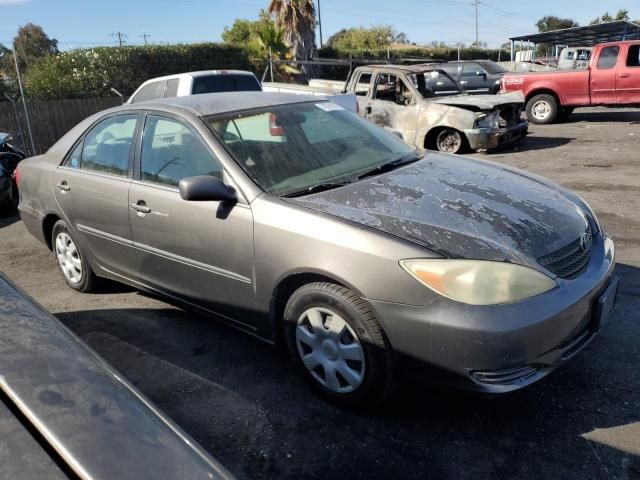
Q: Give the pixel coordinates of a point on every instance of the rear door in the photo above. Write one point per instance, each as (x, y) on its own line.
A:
(603, 76)
(92, 187)
(628, 75)
(198, 251)
(394, 105)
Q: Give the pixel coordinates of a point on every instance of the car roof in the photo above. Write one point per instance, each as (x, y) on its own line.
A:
(223, 102)
(417, 68)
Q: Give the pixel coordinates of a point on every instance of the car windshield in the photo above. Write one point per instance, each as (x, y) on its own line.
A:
(493, 67)
(290, 148)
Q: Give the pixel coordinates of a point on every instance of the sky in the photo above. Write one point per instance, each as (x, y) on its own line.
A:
(85, 23)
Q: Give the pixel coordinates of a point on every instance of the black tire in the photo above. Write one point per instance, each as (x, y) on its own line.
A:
(542, 109)
(87, 280)
(450, 140)
(377, 378)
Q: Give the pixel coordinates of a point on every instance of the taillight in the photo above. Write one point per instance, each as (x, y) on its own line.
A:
(274, 129)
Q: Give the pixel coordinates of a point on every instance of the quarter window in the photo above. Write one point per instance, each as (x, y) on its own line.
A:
(608, 57)
(150, 92)
(633, 57)
(107, 146)
(171, 152)
(172, 88)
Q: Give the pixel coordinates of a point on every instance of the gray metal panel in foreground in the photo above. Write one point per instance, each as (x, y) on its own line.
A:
(100, 425)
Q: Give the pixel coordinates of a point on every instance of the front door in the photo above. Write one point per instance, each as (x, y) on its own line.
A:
(91, 188)
(474, 78)
(201, 252)
(628, 76)
(394, 105)
(603, 76)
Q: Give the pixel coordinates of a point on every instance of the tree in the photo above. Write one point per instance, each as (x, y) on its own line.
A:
(401, 38)
(243, 30)
(550, 23)
(297, 18)
(361, 38)
(622, 14)
(32, 44)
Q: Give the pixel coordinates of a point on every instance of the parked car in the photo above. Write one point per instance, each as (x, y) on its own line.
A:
(195, 83)
(475, 76)
(10, 156)
(611, 78)
(399, 98)
(66, 414)
(291, 217)
(573, 58)
(213, 81)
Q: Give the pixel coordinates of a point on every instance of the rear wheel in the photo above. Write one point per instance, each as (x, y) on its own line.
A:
(73, 265)
(450, 141)
(542, 109)
(338, 344)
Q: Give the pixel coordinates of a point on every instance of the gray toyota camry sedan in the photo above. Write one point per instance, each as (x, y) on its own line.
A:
(295, 220)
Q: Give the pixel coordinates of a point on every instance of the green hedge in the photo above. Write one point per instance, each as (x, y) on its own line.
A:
(91, 72)
(438, 53)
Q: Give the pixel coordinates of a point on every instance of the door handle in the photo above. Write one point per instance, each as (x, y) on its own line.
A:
(624, 75)
(63, 186)
(463, 82)
(140, 207)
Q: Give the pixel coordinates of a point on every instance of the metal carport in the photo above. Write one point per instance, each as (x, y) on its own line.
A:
(582, 36)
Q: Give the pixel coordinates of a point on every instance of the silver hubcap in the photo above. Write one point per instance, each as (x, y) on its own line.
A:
(68, 258)
(449, 142)
(541, 109)
(330, 350)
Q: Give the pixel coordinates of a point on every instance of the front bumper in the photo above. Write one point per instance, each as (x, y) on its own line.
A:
(483, 139)
(501, 348)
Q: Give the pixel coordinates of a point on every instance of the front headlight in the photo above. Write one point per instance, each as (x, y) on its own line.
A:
(488, 120)
(479, 282)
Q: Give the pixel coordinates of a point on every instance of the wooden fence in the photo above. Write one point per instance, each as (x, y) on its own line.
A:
(50, 119)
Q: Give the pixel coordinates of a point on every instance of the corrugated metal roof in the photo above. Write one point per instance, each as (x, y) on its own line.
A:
(586, 36)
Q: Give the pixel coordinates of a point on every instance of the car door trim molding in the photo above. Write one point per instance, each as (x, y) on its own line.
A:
(191, 263)
(104, 235)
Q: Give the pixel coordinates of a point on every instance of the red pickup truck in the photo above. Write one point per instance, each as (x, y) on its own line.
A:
(611, 78)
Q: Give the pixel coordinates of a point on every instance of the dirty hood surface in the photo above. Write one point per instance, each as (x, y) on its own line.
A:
(482, 102)
(461, 208)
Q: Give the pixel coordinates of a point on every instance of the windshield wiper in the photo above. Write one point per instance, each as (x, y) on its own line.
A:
(387, 167)
(320, 187)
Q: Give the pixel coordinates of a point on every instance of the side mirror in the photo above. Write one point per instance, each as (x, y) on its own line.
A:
(206, 188)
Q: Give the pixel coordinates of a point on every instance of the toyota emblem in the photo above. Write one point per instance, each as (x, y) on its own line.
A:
(584, 241)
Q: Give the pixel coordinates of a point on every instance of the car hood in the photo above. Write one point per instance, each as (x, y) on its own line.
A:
(481, 102)
(461, 208)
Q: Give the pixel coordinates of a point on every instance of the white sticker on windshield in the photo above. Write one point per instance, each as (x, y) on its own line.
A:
(329, 106)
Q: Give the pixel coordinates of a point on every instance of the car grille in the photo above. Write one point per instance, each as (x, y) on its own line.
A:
(509, 115)
(569, 260)
(510, 376)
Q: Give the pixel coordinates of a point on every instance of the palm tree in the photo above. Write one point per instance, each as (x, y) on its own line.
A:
(297, 18)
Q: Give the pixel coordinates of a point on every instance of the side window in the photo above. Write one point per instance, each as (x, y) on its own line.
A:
(107, 146)
(172, 88)
(450, 68)
(152, 91)
(391, 88)
(171, 152)
(570, 54)
(470, 69)
(633, 57)
(608, 57)
(73, 159)
(363, 84)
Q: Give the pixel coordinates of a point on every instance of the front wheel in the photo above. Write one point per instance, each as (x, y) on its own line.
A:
(338, 344)
(450, 141)
(542, 109)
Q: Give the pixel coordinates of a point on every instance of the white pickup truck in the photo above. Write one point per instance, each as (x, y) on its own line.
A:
(212, 81)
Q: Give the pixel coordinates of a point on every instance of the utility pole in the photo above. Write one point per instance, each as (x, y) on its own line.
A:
(120, 36)
(145, 35)
(320, 23)
(475, 3)
(24, 100)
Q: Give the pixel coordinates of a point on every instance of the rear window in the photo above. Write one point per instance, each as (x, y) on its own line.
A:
(225, 83)
(608, 57)
(150, 92)
(633, 57)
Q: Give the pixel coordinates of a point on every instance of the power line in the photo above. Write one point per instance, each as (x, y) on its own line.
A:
(120, 36)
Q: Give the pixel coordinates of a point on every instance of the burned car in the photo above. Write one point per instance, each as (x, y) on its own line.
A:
(406, 100)
(295, 219)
